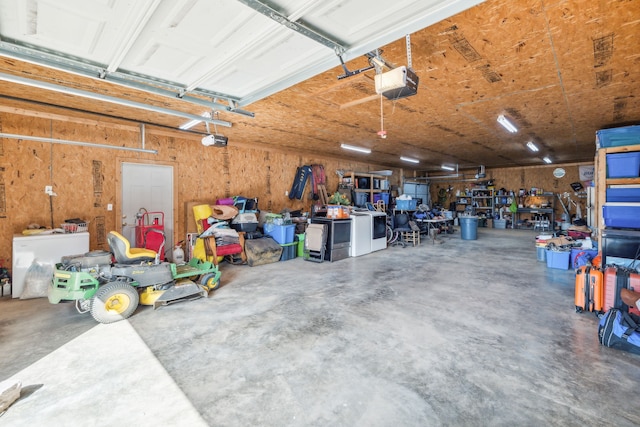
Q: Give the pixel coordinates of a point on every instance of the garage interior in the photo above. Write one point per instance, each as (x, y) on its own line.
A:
(450, 331)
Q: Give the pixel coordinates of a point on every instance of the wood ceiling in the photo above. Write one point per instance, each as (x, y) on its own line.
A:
(560, 70)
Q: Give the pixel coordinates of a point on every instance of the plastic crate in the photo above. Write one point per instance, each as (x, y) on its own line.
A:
(591, 253)
(289, 251)
(406, 205)
(617, 137)
(72, 227)
(623, 194)
(623, 165)
(558, 259)
(621, 215)
(283, 234)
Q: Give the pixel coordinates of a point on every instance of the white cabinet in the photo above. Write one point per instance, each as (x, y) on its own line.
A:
(46, 248)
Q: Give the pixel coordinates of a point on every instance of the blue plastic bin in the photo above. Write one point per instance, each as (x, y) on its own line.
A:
(623, 194)
(591, 253)
(406, 205)
(558, 259)
(282, 234)
(617, 137)
(621, 215)
(623, 165)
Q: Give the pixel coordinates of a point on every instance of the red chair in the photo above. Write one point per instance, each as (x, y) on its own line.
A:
(214, 251)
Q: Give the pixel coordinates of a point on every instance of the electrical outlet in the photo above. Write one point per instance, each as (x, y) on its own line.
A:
(48, 189)
(109, 207)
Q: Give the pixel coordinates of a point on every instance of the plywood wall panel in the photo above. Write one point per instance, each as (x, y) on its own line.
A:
(85, 179)
(514, 179)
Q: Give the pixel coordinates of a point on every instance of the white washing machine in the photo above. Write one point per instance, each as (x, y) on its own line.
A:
(378, 234)
(360, 234)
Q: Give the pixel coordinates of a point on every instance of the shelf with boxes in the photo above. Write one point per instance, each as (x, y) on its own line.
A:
(482, 201)
(367, 187)
(618, 179)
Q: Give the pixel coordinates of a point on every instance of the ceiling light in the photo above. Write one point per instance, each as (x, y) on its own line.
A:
(532, 146)
(354, 148)
(448, 168)
(546, 159)
(507, 124)
(409, 159)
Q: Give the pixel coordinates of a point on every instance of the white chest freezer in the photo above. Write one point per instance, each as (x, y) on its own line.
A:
(47, 248)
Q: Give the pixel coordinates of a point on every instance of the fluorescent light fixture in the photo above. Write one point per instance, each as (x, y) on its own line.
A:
(507, 124)
(409, 159)
(533, 147)
(546, 159)
(448, 168)
(354, 148)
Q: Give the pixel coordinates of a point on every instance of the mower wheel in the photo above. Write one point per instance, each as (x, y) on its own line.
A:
(114, 301)
(209, 282)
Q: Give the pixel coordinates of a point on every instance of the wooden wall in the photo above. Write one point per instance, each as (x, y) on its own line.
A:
(85, 179)
(540, 177)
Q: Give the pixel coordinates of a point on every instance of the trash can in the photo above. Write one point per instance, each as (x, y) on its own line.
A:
(300, 238)
(469, 227)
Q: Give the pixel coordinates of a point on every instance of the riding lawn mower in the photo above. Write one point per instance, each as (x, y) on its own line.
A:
(111, 291)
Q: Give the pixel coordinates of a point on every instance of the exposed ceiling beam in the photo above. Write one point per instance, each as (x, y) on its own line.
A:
(130, 37)
(66, 63)
(297, 26)
(110, 99)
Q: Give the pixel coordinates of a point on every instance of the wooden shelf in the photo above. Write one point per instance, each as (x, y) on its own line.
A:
(602, 182)
(622, 181)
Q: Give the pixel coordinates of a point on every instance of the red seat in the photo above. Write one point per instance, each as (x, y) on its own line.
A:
(214, 251)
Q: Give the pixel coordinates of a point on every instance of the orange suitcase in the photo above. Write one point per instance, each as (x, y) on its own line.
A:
(615, 279)
(589, 289)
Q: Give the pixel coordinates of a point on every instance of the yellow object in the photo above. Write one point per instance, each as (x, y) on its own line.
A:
(201, 212)
(129, 252)
(199, 250)
(149, 296)
(30, 232)
(117, 303)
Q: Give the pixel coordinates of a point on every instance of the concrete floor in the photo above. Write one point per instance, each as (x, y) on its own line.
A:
(462, 333)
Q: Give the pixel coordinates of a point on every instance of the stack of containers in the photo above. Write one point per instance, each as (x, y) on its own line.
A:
(283, 235)
(541, 246)
(622, 206)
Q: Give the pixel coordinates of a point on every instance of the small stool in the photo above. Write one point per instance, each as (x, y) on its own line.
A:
(412, 237)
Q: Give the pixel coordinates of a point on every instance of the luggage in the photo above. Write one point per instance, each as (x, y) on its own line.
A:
(615, 279)
(621, 330)
(589, 289)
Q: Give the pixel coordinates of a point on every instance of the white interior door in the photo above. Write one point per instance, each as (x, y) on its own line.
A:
(147, 187)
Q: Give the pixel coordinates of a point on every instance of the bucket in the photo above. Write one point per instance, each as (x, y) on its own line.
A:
(542, 253)
(469, 227)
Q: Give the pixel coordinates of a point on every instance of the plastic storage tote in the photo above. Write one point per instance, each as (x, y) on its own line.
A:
(623, 165)
(558, 259)
(283, 234)
(621, 215)
(617, 137)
